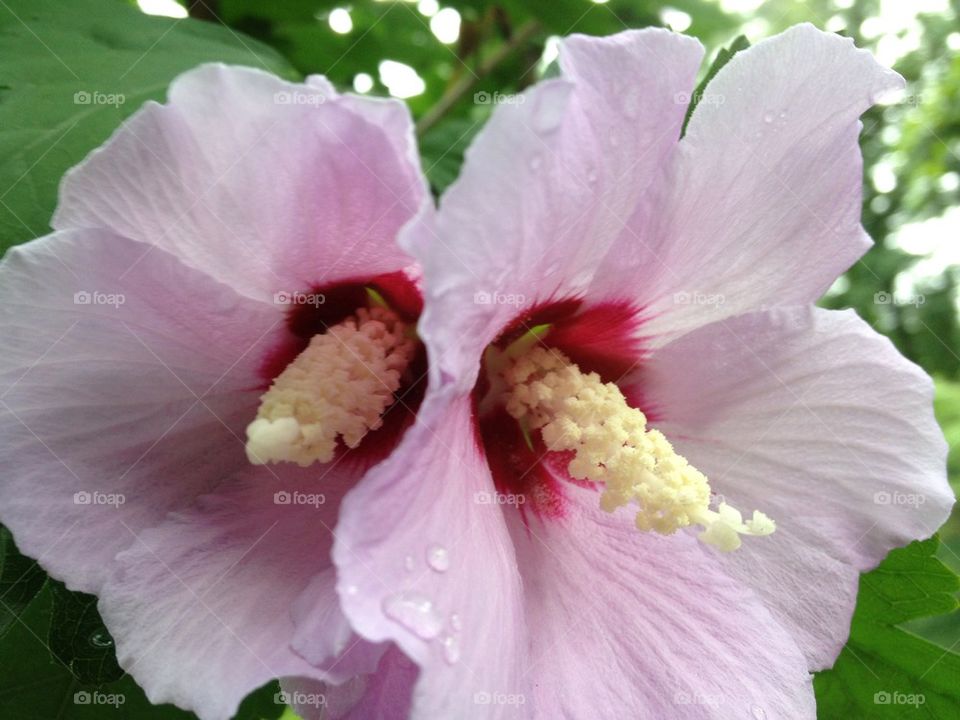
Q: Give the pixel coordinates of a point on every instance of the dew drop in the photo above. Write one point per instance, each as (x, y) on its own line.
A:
(408, 563)
(351, 589)
(548, 111)
(758, 712)
(535, 162)
(414, 612)
(451, 649)
(101, 639)
(455, 622)
(438, 558)
(768, 117)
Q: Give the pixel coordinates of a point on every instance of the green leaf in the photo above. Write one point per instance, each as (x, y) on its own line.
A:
(71, 72)
(21, 578)
(442, 150)
(79, 639)
(884, 671)
(723, 57)
(37, 684)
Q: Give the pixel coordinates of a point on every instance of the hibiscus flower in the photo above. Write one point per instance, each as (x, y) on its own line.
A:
(648, 471)
(208, 352)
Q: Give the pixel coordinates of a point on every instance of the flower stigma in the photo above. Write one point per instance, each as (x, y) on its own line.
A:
(612, 445)
(337, 389)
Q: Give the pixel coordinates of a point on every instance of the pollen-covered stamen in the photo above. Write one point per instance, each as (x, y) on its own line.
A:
(338, 387)
(612, 445)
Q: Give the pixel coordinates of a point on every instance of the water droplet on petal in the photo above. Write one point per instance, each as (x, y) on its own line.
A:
(758, 712)
(768, 117)
(455, 622)
(438, 558)
(408, 563)
(548, 111)
(535, 162)
(451, 649)
(351, 589)
(631, 104)
(415, 612)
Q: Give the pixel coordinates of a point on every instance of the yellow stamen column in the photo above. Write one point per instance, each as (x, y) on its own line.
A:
(338, 387)
(612, 445)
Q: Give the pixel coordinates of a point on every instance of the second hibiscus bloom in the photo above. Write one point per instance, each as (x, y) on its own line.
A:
(623, 345)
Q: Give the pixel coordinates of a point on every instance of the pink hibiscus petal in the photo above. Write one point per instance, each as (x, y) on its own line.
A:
(382, 695)
(761, 204)
(548, 184)
(217, 583)
(263, 184)
(324, 637)
(423, 562)
(630, 624)
(111, 383)
(816, 420)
